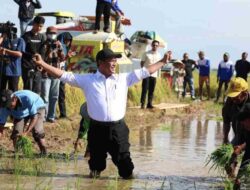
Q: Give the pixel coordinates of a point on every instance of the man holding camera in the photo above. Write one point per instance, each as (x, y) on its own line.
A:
(31, 74)
(11, 49)
(50, 85)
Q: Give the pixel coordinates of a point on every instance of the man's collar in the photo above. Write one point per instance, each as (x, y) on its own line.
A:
(100, 75)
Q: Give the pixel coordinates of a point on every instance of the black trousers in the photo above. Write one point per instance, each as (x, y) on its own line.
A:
(61, 100)
(112, 138)
(148, 85)
(32, 80)
(104, 8)
(12, 82)
(220, 87)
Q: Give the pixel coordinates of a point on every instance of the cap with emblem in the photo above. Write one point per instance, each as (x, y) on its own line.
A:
(236, 86)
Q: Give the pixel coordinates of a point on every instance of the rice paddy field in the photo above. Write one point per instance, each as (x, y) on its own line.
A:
(170, 149)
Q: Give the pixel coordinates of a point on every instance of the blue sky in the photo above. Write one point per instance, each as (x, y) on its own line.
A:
(215, 26)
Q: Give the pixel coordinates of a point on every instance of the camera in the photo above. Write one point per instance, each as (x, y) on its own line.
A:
(8, 29)
(52, 44)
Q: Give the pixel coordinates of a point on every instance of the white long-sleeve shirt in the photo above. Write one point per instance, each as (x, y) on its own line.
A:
(106, 97)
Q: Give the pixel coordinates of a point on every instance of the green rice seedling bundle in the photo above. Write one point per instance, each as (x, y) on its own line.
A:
(24, 145)
(220, 157)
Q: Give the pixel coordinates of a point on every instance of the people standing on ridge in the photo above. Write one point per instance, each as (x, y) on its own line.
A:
(26, 12)
(11, 51)
(27, 110)
(224, 75)
(31, 74)
(204, 74)
(148, 84)
(242, 66)
(50, 86)
(106, 96)
(190, 65)
(103, 7)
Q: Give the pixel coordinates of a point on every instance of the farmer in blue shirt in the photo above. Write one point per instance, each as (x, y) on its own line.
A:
(204, 72)
(27, 109)
(224, 74)
(10, 60)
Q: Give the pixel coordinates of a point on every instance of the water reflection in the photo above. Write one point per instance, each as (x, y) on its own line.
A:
(187, 139)
(145, 136)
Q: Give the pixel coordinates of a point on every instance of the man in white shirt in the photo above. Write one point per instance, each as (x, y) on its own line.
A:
(106, 96)
(148, 84)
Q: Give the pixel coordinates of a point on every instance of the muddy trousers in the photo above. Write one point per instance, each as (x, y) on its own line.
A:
(112, 138)
(148, 85)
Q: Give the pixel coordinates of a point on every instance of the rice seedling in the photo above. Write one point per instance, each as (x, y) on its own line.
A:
(220, 157)
(24, 144)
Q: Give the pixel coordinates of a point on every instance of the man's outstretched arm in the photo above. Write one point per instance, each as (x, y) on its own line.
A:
(48, 68)
(155, 67)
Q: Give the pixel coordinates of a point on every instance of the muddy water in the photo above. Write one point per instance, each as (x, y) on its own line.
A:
(170, 155)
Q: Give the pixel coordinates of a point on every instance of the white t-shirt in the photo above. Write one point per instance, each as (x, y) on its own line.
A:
(150, 57)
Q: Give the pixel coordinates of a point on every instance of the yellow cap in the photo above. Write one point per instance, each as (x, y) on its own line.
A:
(236, 86)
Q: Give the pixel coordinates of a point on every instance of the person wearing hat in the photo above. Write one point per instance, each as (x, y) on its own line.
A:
(237, 97)
(50, 86)
(106, 97)
(34, 40)
(27, 109)
(224, 74)
(242, 144)
(204, 74)
(179, 74)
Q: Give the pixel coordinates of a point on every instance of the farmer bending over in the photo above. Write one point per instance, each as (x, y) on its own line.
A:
(243, 142)
(27, 110)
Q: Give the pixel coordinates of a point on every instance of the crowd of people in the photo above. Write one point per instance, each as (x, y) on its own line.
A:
(41, 59)
(183, 74)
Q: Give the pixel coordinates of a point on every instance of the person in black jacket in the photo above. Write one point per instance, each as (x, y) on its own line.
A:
(31, 74)
(190, 65)
(26, 12)
(242, 66)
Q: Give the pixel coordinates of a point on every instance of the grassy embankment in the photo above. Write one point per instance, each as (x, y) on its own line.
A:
(163, 93)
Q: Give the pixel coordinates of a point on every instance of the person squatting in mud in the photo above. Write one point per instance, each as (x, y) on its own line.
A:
(106, 96)
(27, 110)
